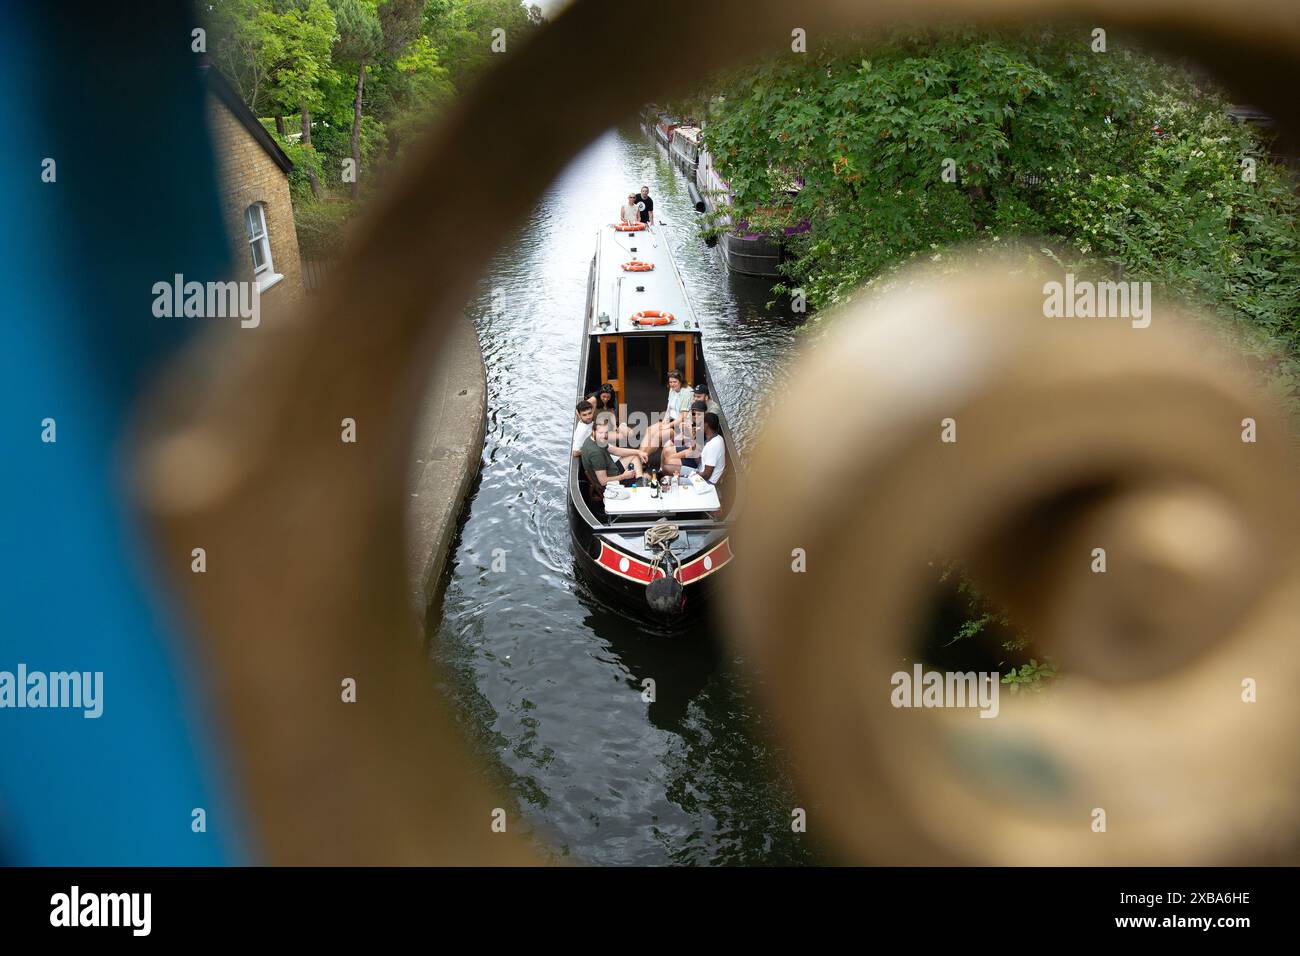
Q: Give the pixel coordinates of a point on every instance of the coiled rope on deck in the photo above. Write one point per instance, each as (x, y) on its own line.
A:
(657, 538)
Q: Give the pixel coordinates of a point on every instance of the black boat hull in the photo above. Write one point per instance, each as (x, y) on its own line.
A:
(589, 545)
(760, 256)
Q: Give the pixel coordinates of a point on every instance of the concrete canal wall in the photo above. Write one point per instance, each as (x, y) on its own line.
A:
(447, 451)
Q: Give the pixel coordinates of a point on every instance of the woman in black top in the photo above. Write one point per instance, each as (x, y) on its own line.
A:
(606, 403)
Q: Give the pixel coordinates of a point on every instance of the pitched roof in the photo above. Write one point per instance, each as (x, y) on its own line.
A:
(217, 85)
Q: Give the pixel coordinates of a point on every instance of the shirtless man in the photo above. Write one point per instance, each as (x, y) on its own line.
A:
(676, 411)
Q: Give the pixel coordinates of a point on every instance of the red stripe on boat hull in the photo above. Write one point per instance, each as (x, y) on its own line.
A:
(611, 559)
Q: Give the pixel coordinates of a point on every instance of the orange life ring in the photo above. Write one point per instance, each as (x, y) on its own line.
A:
(636, 265)
(629, 227)
(651, 317)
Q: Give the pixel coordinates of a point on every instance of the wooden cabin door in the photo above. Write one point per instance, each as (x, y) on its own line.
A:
(686, 343)
(611, 364)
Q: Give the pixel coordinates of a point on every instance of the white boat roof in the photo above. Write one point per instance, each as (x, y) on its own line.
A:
(691, 133)
(616, 289)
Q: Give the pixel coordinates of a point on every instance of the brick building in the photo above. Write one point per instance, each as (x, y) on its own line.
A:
(254, 191)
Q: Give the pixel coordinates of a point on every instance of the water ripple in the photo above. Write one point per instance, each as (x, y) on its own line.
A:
(546, 671)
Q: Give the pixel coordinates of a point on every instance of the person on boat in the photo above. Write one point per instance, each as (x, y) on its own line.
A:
(713, 457)
(599, 461)
(690, 435)
(679, 403)
(606, 403)
(604, 399)
(646, 205)
(586, 416)
(582, 431)
(702, 395)
(629, 214)
(665, 460)
(679, 399)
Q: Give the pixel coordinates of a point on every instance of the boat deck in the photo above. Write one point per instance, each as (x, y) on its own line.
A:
(620, 294)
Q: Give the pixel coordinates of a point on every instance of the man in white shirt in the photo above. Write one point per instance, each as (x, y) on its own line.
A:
(582, 430)
(713, 459)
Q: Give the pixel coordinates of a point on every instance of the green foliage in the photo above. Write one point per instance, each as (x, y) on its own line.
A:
(1032, 677)
(982, 618)
(399, 22)
(1047, 140)
(358, 36)
(300, 56)
(276, 54)
(409, 91)
(332, 137)
(981, 614)
(321, 227)
(287, 56)
(462, 32)
(305, 159)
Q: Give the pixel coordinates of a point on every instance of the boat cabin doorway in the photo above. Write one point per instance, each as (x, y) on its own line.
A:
(646, 368)
(637, 367)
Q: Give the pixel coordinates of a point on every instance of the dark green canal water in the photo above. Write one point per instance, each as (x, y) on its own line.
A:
(545, 672)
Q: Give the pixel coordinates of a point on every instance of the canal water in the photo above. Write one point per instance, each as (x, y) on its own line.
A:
(544, 672)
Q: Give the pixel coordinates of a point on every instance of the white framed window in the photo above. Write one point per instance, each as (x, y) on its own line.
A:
(259, 244)
(255, 220)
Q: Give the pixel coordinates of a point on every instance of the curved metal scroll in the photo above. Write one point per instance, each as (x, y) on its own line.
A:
(1175, 728)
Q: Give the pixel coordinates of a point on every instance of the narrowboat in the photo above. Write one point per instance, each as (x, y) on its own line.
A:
(661, 551)
(685, 148)
(744, 250)
(664, 126)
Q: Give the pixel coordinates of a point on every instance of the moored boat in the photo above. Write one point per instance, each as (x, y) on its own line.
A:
(685, 148)
(745, 250)
(664, 126)
(653, 548)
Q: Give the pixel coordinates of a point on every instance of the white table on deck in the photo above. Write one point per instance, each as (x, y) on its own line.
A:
(679, 499)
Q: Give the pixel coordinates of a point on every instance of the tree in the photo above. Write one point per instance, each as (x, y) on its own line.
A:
(238, 50)
(399, 21)
(1120, 162)
(410, 92)
(359, 40)
(308, 30)
(462, 32)
(273, 53)
(364, 77)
